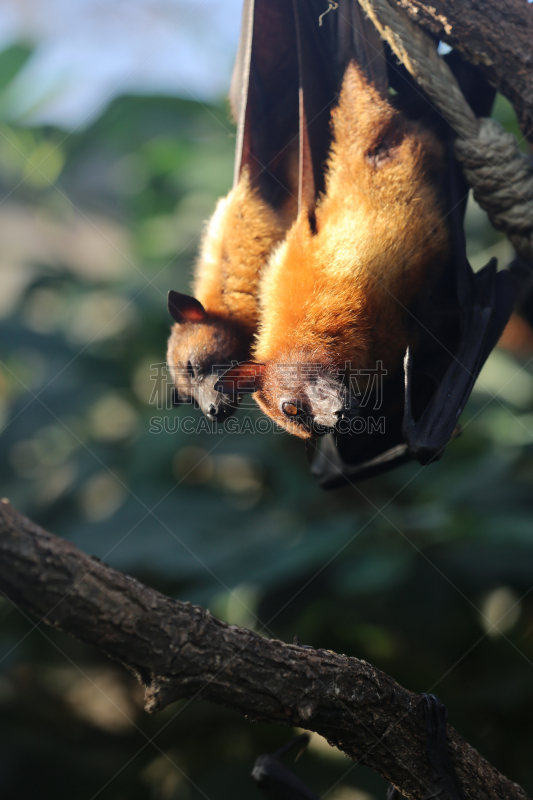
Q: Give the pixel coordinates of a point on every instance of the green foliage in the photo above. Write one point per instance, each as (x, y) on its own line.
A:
(408, 571)
(11, 62)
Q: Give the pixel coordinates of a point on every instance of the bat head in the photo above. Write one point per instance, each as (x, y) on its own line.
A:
(306, 398)
(196, 354)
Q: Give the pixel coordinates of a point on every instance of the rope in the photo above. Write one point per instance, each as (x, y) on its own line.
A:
(501, 176)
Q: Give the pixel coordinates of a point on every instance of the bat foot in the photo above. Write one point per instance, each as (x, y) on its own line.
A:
(435, 722)
(298, 643)
(444, 783)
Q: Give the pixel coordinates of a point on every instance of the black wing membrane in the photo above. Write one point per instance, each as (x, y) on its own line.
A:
(264, 96)
(326, 42)
(275, 780)
(458, 326)
(486, 299)
(319, 84)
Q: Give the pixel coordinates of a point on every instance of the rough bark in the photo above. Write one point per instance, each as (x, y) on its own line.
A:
(496, 34)
(178, 650)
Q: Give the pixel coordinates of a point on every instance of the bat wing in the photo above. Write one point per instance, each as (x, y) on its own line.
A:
(264, 96)
(483, 319)
(333, 472)
(326, 42)
(241, 68)
(485, 301)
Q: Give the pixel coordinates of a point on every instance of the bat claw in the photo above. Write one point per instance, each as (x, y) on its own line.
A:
(275, 780)
(444, 781)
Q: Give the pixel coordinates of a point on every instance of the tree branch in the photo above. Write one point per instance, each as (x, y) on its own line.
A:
(178, 650)
(496, 34)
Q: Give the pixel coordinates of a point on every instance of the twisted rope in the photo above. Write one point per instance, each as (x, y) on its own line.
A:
(501, 176)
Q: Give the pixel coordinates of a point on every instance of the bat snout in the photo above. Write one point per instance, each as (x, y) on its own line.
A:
(220, 410)
(217, 406)
(331, 403)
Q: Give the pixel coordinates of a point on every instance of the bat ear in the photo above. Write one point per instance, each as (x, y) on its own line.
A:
(184, 308)
(244, 378)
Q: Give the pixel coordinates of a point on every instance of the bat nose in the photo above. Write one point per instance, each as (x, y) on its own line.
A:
(218, 412)
(211, 412)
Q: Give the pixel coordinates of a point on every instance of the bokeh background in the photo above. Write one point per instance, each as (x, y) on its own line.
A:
(115, 142)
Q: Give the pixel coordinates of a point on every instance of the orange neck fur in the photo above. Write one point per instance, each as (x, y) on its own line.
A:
(236, 245)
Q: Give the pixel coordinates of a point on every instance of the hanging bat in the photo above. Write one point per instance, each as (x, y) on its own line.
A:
(329, 295)
(461, 323)
(374, 275)
(215, 327)
(277, 782)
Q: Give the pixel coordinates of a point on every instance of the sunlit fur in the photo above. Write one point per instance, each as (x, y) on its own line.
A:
(340, 294)
(235, 247)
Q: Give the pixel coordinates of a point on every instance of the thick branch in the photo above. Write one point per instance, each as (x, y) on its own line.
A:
(178, 650)
(496, 34)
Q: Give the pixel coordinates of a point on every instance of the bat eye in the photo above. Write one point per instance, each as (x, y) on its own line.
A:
(290, 409)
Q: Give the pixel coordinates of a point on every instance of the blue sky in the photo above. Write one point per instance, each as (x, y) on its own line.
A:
(88, 51)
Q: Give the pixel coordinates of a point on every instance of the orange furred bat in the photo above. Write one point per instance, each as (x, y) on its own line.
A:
(336, 294)
(215, 327)
(371, 292)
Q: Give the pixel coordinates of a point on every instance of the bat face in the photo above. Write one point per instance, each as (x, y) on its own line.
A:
(305, 398)
(196, 353)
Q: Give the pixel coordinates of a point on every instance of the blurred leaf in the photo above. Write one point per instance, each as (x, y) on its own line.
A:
(11, 61)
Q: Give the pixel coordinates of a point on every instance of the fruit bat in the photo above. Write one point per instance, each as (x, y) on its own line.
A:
(277, 782)
(215, 327)
(373, 275)
(461, 322)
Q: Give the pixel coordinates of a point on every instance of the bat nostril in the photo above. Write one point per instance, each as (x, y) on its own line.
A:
(350, 410)
(348, 413)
